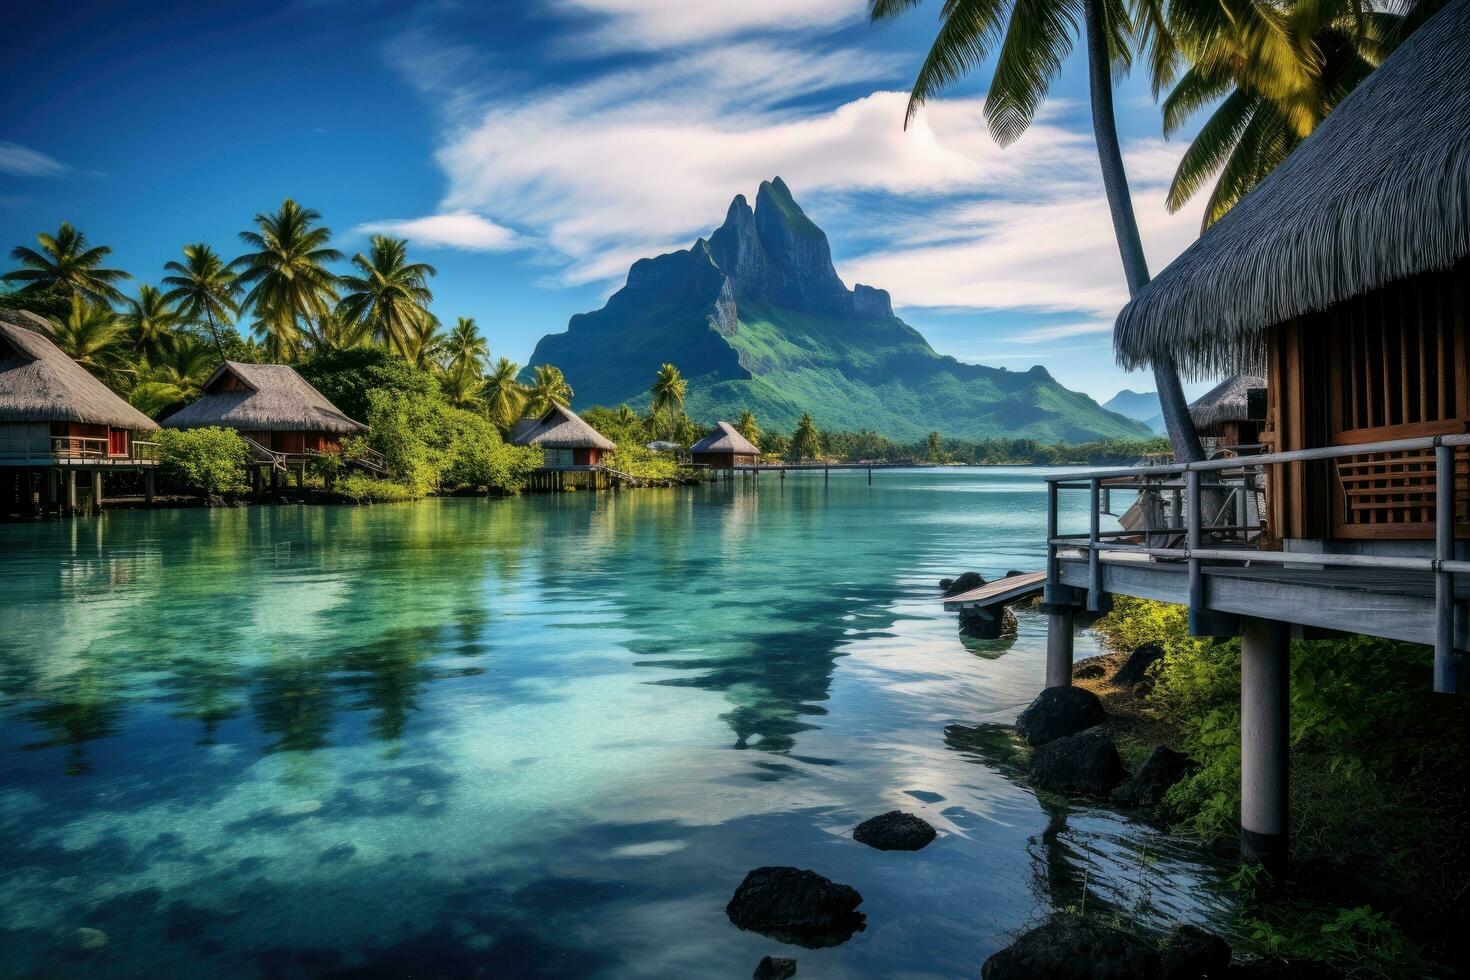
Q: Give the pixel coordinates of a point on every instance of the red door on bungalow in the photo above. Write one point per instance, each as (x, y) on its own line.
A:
(117, 442)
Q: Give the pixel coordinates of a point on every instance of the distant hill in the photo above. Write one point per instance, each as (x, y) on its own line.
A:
(1140, 405)
(756, 317)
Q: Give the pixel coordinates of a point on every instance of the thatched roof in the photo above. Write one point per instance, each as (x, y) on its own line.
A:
(262, 397)
(39, 383)
(725, 438)
(1380, 191)
(560, 428)
(1228, 401)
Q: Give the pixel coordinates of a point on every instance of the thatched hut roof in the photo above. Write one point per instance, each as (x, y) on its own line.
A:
(39, 383)
(560, 428)
(1228, 401)
(262, 397)
(1380, 191)
(725, 438)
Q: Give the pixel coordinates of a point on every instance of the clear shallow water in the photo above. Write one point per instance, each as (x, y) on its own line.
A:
(537, 736)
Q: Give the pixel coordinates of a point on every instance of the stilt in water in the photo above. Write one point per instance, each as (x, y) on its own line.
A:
(1265, 743)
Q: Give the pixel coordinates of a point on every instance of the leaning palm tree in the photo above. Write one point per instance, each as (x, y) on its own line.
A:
(390, 296)
(1032, 39)
(504, 396)
(548, 387)
(287, 275)
(151, 319)
(67, 262)
(204, 289)
(92, 335)
(668, 390)
(1271, 79)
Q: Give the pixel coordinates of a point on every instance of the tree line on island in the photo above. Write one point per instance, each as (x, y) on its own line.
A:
(438, 406)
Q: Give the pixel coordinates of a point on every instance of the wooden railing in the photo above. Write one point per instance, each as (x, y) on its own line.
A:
(53, 448)
(1202, 539)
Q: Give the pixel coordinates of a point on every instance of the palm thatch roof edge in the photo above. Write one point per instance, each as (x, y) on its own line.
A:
(42, 384)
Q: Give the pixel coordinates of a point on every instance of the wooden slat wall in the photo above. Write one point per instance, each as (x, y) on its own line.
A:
(1392, 364)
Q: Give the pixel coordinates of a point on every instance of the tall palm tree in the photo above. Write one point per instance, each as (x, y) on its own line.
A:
(92, 335)
(1033, 39)
(204, 289)
(625, 417)
(151, 319)
(466, 349)
(287, 275)
(503, 394)
(548, 386)
(391, 296)
(806, 443)
(1272, 74)
(423, 347)
(333, 331)
(66, 261)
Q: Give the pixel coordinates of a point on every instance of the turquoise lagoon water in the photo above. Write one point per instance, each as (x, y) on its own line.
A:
(543, 736)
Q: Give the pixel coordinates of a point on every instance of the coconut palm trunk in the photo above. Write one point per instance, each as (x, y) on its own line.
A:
(1172, 404)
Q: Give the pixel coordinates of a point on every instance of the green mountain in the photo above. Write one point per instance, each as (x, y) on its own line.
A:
(756, 317)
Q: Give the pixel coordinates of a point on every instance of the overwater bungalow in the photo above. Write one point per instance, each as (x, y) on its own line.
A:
(285, 421)
(1229, 416)
(724, 448)
(569, 446)
(1344, 279)
(58, 421)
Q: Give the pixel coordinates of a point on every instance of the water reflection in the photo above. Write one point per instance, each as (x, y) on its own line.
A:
(550, 733)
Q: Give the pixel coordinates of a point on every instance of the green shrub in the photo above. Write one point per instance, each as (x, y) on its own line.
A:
(328, 467)
(367, 490)
(432, 447)
(209, 460)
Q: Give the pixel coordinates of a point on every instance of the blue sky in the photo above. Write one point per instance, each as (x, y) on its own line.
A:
(532, 151)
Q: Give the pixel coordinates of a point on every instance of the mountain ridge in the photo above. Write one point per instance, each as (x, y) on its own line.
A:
(756, 317)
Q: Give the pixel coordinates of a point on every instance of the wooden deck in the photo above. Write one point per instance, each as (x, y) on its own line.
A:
(1390, 603)
(1002, 591)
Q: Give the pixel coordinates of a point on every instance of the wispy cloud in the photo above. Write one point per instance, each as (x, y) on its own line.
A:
(22, 161)
(459, 229)
(1041, 335)
(659, 24)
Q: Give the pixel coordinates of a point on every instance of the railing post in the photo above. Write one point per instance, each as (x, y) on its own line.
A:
(1444, 581)
(1094, 563)
(1242, 510)
(1051, 532)
(1192, 540)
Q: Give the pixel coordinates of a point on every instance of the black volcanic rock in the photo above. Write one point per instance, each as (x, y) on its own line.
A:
(1070, 947)
(1058, 712)
(1085, 764)
(796, 906)
(775, 968)
(894, 831)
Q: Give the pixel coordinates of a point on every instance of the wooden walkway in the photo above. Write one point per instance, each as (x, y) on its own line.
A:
(1001, 592)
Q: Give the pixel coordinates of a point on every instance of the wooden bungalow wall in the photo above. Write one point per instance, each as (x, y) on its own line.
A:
(1392, 364)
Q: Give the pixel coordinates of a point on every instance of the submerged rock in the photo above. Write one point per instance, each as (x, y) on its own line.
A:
(1146, 787)
(1191, 952)
(1086, 763)
(796, 906)
(89, 939)
(337, 852)
(775, 968)
(894, 831)
(966, 582)
(1070, 947)
(987, 624)
(1058, 712)
(1135, 668)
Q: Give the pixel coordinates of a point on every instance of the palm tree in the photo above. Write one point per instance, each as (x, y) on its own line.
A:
(503, 394)
(177, 377)
(548, 387)
(204, 289)
(466, 349)
(287, 275)
(390, 296)
(749, 427)
(424, 346)
(806, 443)
(1272, 75)
(332, 331)
(151, 319)
(92, 335)
(625, 417)
(668, 389)
(65, 261)
(1034, 37)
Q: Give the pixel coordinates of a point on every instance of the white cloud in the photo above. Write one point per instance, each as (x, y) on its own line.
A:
(652, 24)
(22, 161)
(458, 229)
(1041, 335)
